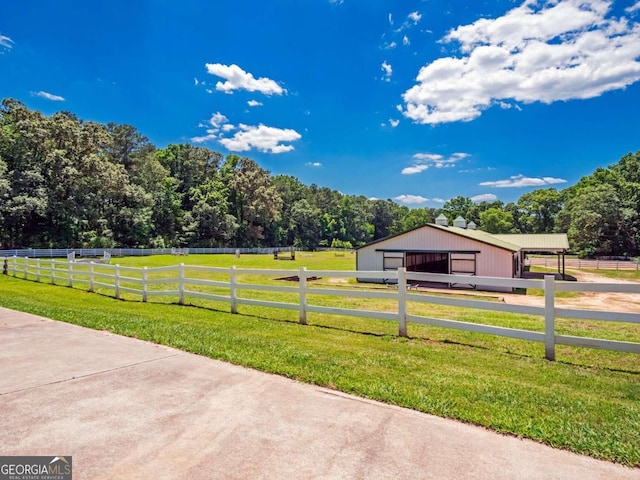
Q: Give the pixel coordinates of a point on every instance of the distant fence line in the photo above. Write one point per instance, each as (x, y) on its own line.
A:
(145, 281)
(132, 252)
(586, 264)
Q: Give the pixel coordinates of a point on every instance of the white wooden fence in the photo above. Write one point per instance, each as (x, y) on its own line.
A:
(121, 279)
(586, 264)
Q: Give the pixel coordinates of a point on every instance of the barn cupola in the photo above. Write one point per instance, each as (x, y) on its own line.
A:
(460, 222)
(442, 220)
(471, 226)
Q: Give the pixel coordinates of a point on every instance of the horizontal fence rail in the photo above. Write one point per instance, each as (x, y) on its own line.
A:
(135, 252)
(577, 263)
(224, 286)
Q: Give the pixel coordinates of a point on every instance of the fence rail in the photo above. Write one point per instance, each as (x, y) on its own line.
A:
(578, 263)
(133, 252)
(226, 287)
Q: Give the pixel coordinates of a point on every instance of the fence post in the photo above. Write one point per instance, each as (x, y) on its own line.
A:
(116, 281)
(37, 269)
(52, 271)
(549, 317)
(303, 295)
(144, 284)
(597, 264)
(15, 261)
(402, 302)
(233, 293)
(181, 283)
(70, 272)
(91, 281)
(26, 267)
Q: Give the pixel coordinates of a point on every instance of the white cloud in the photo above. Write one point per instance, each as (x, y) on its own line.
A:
(313, 164)
(522, 181)
(438, 200)
(388, 71)
(428, 156)
(262, 138)
(254, 103)
(411, 199)
(400, 108)
(390, 46)
(208, 90)
(422, 161)
(48, 96)
(217, 122)
(406, 41)
(237, 79)
(394, 123)
(211, 135)
(6, 42)
(390, 17)
(542, 51)
(217, 119)
(336, 2)
(633, 8)
(415, 17)
(485, 197)
(195, 81)
(414, 169)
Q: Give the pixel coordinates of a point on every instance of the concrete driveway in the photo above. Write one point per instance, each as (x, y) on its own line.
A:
(125, 408)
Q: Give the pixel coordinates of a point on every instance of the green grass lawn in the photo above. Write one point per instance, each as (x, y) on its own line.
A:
(630, 275)
(588, 401)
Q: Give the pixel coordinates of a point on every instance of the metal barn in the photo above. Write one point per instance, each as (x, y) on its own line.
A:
(458, 249)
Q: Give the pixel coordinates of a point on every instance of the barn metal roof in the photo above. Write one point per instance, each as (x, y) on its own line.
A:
(481, 236)
(541, 242)
(547, 242)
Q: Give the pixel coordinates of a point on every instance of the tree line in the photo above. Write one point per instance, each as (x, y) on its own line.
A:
(66, 182)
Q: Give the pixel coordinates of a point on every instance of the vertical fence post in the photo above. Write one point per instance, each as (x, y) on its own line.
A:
(402, 302)
(91, 280)
(37, 269)
(26, 267)
(232, 290)
(181, 283)
(549, 317)
(13, 265)
(116, 281)
(303, 295)
(144, 284)
(52, 271)
(70, 272)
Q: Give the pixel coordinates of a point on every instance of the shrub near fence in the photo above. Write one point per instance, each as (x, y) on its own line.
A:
(174, 281)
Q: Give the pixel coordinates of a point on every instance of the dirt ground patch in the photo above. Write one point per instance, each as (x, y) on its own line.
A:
(614, 302)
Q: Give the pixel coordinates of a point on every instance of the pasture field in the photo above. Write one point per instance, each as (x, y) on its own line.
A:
(588, 401)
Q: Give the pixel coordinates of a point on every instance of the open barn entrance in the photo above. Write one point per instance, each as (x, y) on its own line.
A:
(428, 262)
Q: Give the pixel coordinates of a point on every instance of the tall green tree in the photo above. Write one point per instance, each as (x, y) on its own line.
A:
(538, 210)
(458, 206)
(496, 220)
(594, 222)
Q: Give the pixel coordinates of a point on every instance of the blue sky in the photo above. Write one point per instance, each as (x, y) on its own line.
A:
(418, 101)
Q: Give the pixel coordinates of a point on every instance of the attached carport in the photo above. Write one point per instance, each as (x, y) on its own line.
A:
(545, 243)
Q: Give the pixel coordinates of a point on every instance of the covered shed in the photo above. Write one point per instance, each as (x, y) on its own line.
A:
(552, 243)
